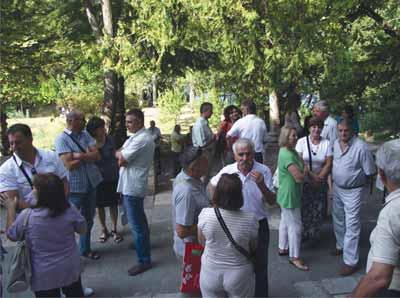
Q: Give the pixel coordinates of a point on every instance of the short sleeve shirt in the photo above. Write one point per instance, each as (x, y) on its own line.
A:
(201, 133)
(138, 151)
(329, 131)
(351, 167)
(12, 178)
(250, 127)
(319, 152)
(87, 175)
(252, 196)
(189, 197)
(289, 191)
(156, 135)
(176, 140)
(385, 238)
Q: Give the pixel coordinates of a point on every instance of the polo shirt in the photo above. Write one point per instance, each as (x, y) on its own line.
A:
(12, 178)
(351, 167)
(250, 127)
(201, 133)
(253, 199)
(329, 131)
(385, 238)
(138, 151)
(289, 191)
(189, 197)
(87, 176)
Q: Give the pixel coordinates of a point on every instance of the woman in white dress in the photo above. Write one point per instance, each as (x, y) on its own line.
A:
(317, 155)
(226, 272)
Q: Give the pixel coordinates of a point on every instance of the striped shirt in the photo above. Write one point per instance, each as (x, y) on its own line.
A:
(218, 249)
(88, 175)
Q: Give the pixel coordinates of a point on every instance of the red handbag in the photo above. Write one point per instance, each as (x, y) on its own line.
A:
(191, 268)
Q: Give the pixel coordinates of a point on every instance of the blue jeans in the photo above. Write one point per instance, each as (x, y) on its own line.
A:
(86, 203)
(262, 259)
(139, 226)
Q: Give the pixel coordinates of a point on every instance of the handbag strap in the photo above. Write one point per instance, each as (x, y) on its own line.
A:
(21, 167)
(309, 152)
(21, 236)
(76, 142)
(229, 235)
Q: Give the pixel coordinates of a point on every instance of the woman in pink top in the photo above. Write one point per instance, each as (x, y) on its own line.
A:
(231, 114)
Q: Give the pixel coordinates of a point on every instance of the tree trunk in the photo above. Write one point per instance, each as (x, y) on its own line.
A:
(3, 132)
(154, 90)
(274, 114)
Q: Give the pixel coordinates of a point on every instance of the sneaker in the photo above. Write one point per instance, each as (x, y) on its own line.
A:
(87, 292)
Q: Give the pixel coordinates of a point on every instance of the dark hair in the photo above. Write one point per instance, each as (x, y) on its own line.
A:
(205, 106)
(228, 110)
(349, 110)
(93, 124)
(137, 113)
(50, 193)
(314, 121)
(250, 105)
(189, 155)
(176, 127)
(19, 127)
(228, 193)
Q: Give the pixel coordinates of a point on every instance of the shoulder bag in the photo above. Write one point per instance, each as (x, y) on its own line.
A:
(250, 257)
(20, 270)
(76, 142)
(309, 153)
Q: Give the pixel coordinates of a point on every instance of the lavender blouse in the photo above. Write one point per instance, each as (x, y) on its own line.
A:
(51, 241)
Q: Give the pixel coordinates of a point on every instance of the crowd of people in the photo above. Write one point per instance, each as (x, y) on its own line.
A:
(224, 210)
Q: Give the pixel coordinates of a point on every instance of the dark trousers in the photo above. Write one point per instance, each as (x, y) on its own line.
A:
(73, 290)
(388, 293)
(157, 160)
(258, 157)
(176, 165)
(262, 259)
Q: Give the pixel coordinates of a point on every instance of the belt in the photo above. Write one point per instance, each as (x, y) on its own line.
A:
(350, 187)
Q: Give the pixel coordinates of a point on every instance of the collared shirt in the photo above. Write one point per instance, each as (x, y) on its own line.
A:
(250, 127)
(385, 238)
(12, 178)
(252, 195)
(87, 175)
(156, 134)
(176, 142)
(329, 131)
(351, 167)
(201, 133)
(138, 151)
(189, 197)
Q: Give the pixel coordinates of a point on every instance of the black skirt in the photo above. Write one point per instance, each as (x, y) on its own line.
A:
(106, 194)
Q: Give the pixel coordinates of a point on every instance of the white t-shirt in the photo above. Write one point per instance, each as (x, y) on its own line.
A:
(250, 127)
(218, 249)
(319, 153)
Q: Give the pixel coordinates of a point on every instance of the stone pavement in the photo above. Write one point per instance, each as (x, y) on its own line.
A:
(108, 276)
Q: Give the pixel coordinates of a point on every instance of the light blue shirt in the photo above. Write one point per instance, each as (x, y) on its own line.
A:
(138, 151)
(87, 175)
(201, 133)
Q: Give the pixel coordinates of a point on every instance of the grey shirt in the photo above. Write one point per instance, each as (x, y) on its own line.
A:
(351, 167)
(189, 197)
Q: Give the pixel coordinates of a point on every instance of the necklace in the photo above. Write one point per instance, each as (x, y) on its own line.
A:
(316, 147)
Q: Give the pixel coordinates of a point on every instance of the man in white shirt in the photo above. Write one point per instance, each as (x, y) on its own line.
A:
(156, 134)
(352, 164)
(203, 137)
(135, 159)
(250, 127)
(17, 173)
(321, 111)
(257, 185)
(383, 267)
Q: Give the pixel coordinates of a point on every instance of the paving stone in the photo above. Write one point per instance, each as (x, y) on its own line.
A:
(311, 289)
(340, 285)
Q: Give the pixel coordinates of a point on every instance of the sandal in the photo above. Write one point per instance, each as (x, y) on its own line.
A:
(92, 255)
(117, 237)
(103, 237)
(283, 252)
(299, 265)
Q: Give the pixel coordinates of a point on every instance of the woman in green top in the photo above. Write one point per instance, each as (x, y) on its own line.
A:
(292, 173)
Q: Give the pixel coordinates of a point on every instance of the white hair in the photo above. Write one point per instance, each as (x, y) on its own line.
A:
(243, 142)
(74, 114)
(388, 160)
(322, 105)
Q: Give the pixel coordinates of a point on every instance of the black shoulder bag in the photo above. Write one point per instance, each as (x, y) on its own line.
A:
(76, 142)
(309, 153)
(251, 258)
(21, 167)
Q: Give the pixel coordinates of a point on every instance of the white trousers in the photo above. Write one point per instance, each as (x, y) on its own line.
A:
(227, 282)
(346, 222)
(290, 228)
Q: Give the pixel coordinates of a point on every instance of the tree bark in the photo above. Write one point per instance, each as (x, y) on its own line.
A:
(274, 120)
(3, 131)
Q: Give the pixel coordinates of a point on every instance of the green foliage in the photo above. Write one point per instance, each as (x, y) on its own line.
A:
(171, 103)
